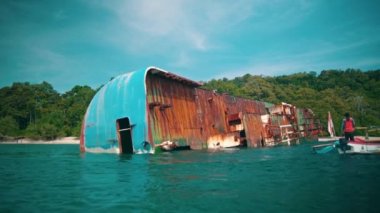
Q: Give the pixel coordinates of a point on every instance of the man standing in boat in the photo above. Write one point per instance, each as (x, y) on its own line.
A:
(348, 126)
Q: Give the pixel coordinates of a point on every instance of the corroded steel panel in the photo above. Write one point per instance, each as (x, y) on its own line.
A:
(212, 113)
(220, 114)
(194, 116)
(253, 130)
(308, 125)
(172, 110)
(282, 124)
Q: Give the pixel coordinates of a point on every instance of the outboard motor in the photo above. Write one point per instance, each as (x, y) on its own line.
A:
(343, 145)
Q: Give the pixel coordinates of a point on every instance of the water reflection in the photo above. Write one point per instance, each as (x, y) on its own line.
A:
(125, 157)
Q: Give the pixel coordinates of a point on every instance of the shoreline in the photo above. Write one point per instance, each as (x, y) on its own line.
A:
(64, 140)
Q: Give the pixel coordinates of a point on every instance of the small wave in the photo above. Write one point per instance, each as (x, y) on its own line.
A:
(113, 150)
(116, 150)
(144, 151)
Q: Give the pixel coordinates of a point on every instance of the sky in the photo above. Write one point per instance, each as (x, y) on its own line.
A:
(81, 42)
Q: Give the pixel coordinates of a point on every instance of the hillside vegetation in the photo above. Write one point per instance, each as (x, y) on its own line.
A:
(336, 91)
(38, 111)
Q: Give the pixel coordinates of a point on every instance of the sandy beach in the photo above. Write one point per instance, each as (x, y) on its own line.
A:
(65, 140)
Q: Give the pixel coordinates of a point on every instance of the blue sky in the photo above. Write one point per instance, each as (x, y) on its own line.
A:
(80, 42)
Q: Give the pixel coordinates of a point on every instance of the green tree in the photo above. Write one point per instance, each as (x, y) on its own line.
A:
(41, 112)
(8, 126)
(74, 106)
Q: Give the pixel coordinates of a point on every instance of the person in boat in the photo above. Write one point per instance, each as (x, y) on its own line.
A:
(348, 127)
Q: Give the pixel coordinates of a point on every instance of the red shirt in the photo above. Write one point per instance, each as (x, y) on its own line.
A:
(349, 125)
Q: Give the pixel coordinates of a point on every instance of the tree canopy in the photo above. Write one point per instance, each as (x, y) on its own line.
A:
(38, 111)
(336, 91)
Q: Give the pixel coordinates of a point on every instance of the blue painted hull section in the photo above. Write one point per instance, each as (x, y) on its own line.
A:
(124, 96)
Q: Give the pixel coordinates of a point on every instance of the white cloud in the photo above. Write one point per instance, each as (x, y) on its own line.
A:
(180, 29)
(183, 60)
(180, 24)
(265, 68)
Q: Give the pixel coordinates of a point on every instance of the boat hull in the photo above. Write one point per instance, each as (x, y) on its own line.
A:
(328, 139)
(360, 146)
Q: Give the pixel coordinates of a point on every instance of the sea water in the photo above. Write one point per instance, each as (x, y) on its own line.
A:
(58, 178)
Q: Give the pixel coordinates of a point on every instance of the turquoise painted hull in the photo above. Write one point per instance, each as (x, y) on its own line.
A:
(124, 96)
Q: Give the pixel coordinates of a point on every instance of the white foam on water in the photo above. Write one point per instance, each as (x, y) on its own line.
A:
(113, 150)
(144, 151)
(116, 150)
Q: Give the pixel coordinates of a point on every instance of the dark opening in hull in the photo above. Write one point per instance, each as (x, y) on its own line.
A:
(125, 135)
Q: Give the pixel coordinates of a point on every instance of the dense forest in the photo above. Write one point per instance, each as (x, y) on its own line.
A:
(336, 91)
(38, 111)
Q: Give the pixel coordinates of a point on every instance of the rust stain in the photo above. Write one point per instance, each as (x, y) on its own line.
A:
(223, 141)
(182, 112)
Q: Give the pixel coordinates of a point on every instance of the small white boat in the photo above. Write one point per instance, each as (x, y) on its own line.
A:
(328, 139)
(361, 146)
(358, 146)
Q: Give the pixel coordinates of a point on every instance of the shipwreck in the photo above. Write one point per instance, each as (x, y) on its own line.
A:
(148, 109)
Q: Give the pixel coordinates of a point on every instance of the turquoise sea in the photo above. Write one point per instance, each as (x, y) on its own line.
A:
(58, 178)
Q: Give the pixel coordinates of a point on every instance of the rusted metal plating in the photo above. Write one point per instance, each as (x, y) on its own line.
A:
(180, 111)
